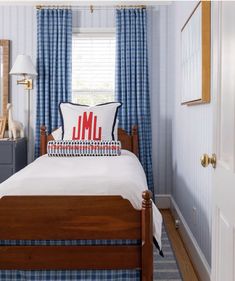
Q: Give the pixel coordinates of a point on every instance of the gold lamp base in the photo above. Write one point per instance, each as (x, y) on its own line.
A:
(28, 83)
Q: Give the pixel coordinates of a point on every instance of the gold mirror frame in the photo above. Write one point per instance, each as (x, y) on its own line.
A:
(5, 44)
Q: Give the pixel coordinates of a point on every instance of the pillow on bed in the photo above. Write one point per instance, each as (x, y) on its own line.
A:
(81, 122)
(57, 134)
(83, 148)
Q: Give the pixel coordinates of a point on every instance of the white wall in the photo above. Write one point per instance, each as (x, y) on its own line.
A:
(191, 137)
(102, 17)
(18, 24)
(161, 124)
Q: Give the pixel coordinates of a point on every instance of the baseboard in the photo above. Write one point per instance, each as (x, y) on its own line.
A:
(199, 262)
(163, 201)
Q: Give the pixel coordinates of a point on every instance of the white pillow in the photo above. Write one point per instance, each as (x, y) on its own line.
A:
(57, 134)
(81, 122)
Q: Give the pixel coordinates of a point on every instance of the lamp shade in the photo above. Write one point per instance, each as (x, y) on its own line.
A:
(23, 66)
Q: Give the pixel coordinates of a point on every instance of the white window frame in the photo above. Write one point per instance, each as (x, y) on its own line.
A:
(102, 31)
(93, 32)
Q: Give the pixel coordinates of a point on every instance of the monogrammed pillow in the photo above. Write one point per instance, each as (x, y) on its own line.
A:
(81, 122)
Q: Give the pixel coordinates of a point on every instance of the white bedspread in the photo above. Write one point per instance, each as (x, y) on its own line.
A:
(122, 175)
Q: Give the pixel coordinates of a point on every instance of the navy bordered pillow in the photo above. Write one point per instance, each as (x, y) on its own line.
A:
(82, 122)
(83, 148)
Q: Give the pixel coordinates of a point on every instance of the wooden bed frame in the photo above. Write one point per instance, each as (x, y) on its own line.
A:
(75, 218)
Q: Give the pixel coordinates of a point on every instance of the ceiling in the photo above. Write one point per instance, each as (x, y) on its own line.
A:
(82, 3)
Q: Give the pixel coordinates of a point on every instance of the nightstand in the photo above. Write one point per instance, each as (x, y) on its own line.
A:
(13, 157)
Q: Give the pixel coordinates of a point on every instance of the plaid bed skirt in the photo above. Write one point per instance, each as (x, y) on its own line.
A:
(68, 275)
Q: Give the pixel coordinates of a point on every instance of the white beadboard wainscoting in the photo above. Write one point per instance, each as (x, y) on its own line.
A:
(192, 136)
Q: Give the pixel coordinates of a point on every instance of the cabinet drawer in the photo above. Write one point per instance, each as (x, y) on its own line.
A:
(5, 172)
(6, 153)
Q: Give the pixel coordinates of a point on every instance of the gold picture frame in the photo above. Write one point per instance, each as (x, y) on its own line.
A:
(3, 121)
(196, 56)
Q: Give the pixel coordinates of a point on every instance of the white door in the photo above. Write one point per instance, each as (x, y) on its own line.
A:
(223, 87)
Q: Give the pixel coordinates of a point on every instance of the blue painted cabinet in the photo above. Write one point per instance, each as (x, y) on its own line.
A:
(13, 157)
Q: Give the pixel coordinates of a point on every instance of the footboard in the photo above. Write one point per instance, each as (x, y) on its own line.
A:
(76, 218)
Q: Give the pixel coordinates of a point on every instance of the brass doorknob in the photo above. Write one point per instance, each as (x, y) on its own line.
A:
(206, 160)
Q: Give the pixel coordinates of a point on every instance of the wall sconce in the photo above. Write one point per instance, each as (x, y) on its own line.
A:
(28, 83)
(23, 66)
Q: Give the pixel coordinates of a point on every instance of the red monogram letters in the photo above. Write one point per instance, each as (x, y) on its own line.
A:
(85, 125)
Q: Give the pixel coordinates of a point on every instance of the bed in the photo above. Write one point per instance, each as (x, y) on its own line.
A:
(105, 236)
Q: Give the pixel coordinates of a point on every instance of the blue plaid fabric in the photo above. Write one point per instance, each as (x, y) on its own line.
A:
(67, 242)
(54, 66)
(69, 275)
(132, 81)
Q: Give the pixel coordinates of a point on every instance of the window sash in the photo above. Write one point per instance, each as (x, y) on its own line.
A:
(92, 88)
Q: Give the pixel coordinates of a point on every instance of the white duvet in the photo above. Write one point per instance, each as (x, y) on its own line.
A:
(122, 175)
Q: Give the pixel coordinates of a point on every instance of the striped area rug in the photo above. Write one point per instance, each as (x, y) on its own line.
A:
(166, 269)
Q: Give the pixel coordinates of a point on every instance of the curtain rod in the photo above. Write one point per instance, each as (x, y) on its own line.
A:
(91, 7)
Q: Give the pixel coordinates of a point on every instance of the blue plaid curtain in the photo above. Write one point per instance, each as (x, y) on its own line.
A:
(132, 81)
(54, 66)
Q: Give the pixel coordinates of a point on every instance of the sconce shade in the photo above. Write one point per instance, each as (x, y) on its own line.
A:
(23, 66)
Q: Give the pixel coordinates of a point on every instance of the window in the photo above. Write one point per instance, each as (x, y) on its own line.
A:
(93, 65)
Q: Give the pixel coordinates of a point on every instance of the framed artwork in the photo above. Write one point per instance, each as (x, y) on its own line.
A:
(195, 55)
(3, 121)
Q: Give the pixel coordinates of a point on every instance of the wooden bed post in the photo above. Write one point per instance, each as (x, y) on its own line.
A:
(43, 140)
(135, 145)
(147, 237)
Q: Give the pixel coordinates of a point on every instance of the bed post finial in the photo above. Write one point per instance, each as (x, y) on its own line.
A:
(147, 236)
(43, 130)
(147, 202)
(134, 130)
(43, 140)
(135, 144)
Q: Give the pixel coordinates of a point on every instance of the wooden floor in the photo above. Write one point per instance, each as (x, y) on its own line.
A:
(186, 268)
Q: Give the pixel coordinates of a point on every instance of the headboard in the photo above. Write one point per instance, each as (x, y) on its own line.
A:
(129, 142)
